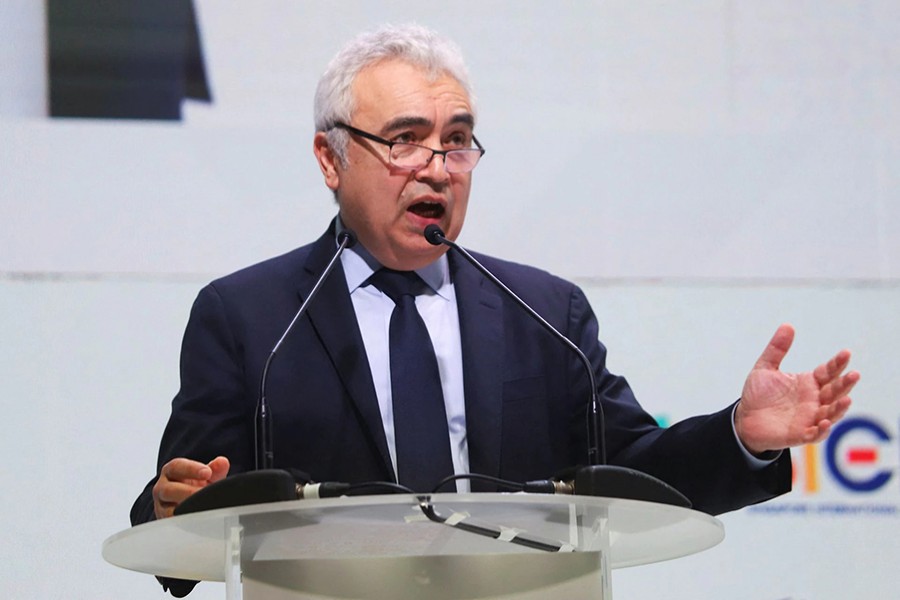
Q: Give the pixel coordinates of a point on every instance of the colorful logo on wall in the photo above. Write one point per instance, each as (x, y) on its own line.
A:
(855, 471)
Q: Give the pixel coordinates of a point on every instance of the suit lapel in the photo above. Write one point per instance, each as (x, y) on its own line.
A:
(334, 320)
(481, 329)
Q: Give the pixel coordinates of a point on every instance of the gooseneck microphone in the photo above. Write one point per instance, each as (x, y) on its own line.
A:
(596, 434)
(598, 478)
(265, 455)
(265, 483)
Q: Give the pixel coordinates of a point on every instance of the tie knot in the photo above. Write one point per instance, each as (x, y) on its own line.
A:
(398, 283)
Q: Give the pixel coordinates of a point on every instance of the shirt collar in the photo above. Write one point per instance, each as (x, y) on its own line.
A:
(359, 265)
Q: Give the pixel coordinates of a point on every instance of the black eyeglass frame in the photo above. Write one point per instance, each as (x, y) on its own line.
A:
(390, 145)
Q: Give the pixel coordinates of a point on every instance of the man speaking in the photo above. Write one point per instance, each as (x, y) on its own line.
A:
(410, 365)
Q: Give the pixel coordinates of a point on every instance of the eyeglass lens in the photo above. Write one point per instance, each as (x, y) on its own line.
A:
(411, 156)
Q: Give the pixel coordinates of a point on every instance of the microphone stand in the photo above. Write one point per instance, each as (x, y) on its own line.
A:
(598, 478)
(265, 455)
(265, 483)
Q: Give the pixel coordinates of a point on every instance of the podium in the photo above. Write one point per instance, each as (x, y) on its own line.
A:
(442, 546)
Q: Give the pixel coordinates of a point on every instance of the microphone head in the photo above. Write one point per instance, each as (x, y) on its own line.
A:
(347, 237)
(434, 235)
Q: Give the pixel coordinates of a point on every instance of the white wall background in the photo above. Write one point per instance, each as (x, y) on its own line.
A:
(23, 54)
(705, 170)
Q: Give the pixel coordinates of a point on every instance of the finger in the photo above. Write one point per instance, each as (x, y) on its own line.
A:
(219, 467)
(777, 348)
(164, 511)
(831, 369)
(832, 412)
(828, 416)
(817, 433)
(183, 469)
(169, 494)
(839, 388)
(840, 409)
(823, 427)
(173, 492)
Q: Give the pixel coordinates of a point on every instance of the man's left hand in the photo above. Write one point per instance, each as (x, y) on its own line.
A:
(779, 410)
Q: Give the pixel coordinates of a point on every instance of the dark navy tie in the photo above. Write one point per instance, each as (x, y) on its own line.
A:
(420, 419)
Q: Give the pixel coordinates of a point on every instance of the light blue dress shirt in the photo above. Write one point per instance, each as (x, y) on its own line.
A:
(438, 309)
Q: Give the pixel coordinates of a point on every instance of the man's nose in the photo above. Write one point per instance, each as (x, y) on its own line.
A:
(435, 170)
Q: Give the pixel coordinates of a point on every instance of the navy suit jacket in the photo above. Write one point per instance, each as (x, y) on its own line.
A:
(525, 393)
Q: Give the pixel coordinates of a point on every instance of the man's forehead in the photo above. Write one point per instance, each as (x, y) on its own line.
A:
(402, 94)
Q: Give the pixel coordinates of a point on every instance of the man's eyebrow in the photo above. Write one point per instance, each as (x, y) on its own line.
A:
(410, 121)
(464, 118)
(404, 122)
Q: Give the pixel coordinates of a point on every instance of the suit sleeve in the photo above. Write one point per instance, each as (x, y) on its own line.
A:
(699, 456)
(212, 414)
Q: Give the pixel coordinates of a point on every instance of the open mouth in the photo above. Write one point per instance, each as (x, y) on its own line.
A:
(428, 210)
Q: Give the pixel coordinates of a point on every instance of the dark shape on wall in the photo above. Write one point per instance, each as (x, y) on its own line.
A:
(124, 59)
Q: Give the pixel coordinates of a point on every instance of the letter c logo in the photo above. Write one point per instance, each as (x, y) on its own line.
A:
(871, 484)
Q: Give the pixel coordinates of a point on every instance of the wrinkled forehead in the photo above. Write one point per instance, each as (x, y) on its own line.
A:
(389, 78)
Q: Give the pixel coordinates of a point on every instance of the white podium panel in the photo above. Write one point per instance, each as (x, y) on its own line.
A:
(386, 547)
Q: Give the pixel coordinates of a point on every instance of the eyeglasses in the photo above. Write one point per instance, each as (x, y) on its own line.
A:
(413, 157)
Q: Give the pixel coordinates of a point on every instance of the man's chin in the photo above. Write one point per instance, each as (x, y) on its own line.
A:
(410, 258)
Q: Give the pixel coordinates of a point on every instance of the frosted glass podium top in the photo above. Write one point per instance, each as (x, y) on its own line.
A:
(194, 546)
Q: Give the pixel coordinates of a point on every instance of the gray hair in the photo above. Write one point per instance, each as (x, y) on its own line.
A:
(414, 44)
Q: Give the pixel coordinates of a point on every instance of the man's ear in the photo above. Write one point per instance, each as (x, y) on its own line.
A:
(327, 160)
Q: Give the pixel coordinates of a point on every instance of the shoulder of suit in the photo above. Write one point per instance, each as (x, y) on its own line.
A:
(511, 272)
(285, 267)
(545, 292)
